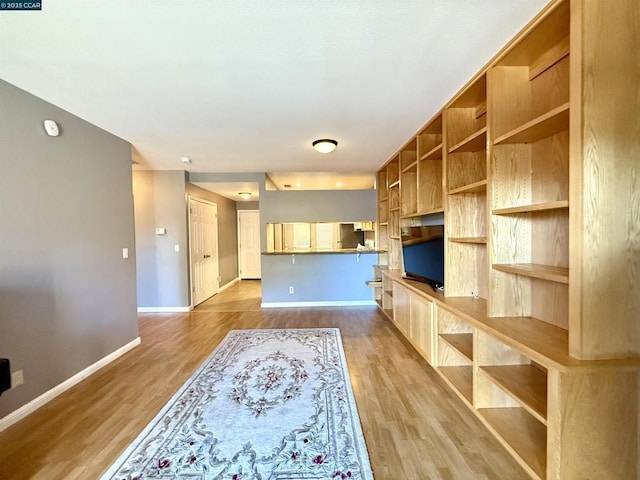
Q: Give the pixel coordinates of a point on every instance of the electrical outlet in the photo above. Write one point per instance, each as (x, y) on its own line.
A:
(17, 378)
(290, 289)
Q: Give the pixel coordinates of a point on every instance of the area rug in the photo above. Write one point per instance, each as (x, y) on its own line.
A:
(265, 405)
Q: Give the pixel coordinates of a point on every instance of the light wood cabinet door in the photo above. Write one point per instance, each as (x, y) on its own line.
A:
(422, 331)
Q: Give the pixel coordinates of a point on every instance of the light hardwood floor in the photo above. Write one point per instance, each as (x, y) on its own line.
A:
(414, 426)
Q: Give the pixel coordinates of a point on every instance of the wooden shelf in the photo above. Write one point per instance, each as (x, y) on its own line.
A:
(382, 224)
(473, 143)
(544, 272)
(522, 434)
(394, 237)
(544, 126)
(462, 342)
(430, 212)
(434, 154)
(549, 58)
(537, 207)
(394, 209)
(412, 167)
(525, 383)
(478, 240)
(461, 379)
(481, 109)
(479, 186)
(394, 184)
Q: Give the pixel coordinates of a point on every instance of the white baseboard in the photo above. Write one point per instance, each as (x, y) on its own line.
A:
(336, 303)
(38, 402)
(228, 284)
(164, 309)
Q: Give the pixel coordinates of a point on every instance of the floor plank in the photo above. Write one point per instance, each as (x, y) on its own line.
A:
(414, 426)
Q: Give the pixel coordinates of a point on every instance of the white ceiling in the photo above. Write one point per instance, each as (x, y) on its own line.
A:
(322, 180)
(247, 85)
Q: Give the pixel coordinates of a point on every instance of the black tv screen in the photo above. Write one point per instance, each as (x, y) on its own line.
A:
(423, 254)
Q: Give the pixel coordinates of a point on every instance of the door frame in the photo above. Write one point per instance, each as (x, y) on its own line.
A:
(239, 236)
(217, 272)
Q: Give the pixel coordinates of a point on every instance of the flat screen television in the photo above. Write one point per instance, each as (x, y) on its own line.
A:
(423, 254)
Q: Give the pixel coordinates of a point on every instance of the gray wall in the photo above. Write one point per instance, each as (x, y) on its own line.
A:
(248, 205)
(67, 297)
(160, 199)
(227, 232)
(163, 273)
(318, 206)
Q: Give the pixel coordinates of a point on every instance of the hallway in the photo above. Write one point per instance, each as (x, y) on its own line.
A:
(242, 296)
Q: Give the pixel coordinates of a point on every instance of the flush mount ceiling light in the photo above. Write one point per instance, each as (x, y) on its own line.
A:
(185, 159)
(324, 145)
(245, 195)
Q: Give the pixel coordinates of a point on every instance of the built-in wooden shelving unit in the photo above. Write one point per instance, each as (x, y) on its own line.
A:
(536, 351)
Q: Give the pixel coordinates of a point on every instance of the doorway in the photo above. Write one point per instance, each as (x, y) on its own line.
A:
(203, 250)
(249, 244)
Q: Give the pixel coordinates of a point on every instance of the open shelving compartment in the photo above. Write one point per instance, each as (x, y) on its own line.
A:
(465, 124)
(409, 179)
(528, 95)
(430, 160)
(455, 353)
(510, 395)
(387, 296)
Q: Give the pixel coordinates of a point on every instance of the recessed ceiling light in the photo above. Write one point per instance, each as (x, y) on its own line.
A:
(324, 145)
(338, 184)
(297, 185)
(245, 195)
(185, 159)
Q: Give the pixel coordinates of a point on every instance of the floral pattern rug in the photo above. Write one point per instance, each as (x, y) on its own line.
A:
(265, 405)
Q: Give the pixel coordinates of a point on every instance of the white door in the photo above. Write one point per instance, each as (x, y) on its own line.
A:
(203, 247)
(249, 244)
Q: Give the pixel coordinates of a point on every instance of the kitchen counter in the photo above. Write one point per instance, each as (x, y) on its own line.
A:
(311, 251)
